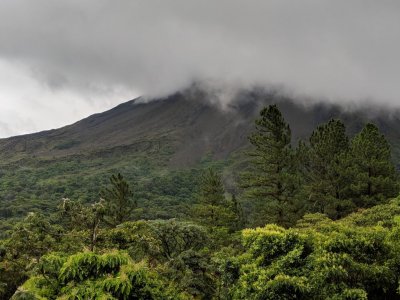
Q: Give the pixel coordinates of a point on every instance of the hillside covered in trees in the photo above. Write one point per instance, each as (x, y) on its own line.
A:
(287, 216)
(160, 146)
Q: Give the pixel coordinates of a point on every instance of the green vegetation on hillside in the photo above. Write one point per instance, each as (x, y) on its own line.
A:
(320, 220)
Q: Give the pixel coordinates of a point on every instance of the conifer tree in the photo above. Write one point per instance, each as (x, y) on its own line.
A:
(237, 210)
(211, 188)
(119, 199)
(326, 186)
(271, 179)
(212, 208)
(374, 173)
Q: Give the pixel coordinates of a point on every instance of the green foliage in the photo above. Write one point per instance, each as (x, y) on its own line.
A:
(177, 250)
(342, 175)
(238, 214)
(211, 189)
(325, 183)
(29, 240)
(271, 179)
(172, 238)
(86, 275)
(213, 209)
(88, 219)
(157, 240)
(38, 184)
(181, 246)
(384, 215)
(93, 250)
(119, 200)
(374, 175)
(323, 260)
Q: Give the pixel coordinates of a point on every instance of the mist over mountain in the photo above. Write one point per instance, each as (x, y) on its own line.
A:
(192, 124)
(331, 51)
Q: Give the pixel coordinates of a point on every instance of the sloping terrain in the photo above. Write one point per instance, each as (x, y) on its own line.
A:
(185, 123)
(160, 147)
(191, 128)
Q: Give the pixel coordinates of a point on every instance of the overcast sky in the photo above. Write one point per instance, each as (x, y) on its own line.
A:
(63, 60)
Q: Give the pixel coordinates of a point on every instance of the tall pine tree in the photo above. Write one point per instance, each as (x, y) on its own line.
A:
(119, 201)
(271, 180)
(326, 185)
(375, 177)
(212, 200)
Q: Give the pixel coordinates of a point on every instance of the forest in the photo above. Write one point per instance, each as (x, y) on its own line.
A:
(314, 219)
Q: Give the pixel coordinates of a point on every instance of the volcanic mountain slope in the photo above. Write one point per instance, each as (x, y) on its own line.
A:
(187, 124)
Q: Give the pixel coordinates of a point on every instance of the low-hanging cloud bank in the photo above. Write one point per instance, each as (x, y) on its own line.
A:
(338, 51)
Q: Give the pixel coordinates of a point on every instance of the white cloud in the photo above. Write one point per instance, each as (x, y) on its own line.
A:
(29, 106)
(110, 50)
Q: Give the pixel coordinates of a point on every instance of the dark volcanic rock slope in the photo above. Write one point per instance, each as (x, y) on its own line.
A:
(190, 127)
(186, 123)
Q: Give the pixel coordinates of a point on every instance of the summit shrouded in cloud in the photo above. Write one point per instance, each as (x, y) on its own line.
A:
(62, 60)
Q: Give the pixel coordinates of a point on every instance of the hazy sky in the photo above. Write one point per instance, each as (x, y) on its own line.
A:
(63, 60)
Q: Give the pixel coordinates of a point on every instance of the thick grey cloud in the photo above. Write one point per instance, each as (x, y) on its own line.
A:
(77, 56)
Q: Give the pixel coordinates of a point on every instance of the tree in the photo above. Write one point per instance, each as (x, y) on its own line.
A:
(375, 177)
(29, 240)
(351, 258)
(237, 210)
(271, 179)
(176, 250)
(120, 201)
(172, 238)
(213, 209)
(81, 217)
(326, 184)
(211, 188)
(181, 246)
(112, 275)
(157, 240)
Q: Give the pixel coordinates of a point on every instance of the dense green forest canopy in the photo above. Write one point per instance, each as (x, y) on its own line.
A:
(316, 220)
